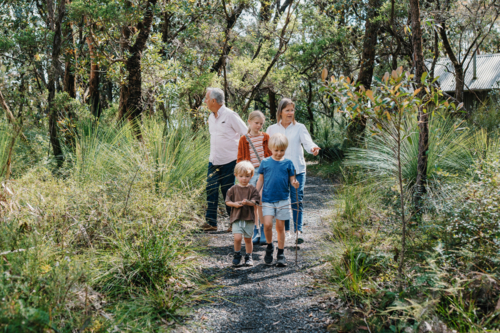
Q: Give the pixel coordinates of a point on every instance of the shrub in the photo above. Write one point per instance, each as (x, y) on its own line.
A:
(470, 217)
(106, 240)
(452, 149)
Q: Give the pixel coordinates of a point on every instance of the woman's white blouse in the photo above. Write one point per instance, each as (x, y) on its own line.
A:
(298, 136)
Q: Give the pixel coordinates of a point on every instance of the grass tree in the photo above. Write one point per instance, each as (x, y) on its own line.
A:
(387, 107)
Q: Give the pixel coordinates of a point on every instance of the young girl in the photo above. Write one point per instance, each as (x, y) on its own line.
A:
(253, 147)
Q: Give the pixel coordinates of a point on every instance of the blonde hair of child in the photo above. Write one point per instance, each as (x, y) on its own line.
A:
(255, 114)
(278, 141)
(244, 168)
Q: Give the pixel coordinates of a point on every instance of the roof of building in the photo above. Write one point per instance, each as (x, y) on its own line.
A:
(487, 73)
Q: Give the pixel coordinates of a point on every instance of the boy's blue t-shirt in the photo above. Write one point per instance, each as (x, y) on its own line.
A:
(276, 179)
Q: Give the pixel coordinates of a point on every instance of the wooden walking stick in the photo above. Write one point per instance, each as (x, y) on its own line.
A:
(295, 220)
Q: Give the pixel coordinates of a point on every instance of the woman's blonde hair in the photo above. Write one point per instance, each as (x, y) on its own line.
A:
(255, 114)
(283, 104)
(244, 168)
(278, 141)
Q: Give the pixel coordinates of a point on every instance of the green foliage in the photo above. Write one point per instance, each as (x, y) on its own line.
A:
(487, 115)
(174, 158)
(5, 141)
(329, 135)
(469, 218)
(452, 149)
(115, 231)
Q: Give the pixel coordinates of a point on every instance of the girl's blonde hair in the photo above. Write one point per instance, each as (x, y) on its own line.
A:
(255, 114)
(283, 104)
(244, 168)
(278, 141)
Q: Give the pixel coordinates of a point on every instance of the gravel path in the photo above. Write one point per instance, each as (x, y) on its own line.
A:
(269, 298)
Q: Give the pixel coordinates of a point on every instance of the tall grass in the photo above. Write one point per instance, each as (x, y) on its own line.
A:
(453, 147)
(174, 154)
(329, 135)
(107, 245)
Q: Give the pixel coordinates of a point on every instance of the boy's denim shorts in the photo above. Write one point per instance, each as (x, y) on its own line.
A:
(255, 177)
(243, 227)
(280, 210)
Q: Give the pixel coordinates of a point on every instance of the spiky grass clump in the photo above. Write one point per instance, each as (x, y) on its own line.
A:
(109, 244)
(453, 147)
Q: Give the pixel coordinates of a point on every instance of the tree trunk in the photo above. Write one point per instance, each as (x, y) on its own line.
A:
(436, 55)
(135, 105)
(56, 51)
(309, 109)
(356, 129)
(122, 106)
(230, 22)
(459, 74)
(423, 118)
(94, 98)
(69, 69)
(273, 107)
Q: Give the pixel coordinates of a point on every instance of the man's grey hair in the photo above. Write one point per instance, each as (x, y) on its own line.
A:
(217, 94)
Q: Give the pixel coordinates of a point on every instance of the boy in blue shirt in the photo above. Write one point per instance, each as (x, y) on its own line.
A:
(276, 174)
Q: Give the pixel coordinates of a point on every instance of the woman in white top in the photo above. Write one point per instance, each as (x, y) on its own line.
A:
(298, 139)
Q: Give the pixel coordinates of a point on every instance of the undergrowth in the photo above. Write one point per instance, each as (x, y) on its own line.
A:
(106, 243)
(451, 276)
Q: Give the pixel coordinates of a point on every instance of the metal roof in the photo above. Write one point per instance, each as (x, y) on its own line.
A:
(488, 73)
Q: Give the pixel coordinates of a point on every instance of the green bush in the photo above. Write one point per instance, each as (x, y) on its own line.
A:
(108, 238)
(453, 148)
(470, 217)
(330, 136)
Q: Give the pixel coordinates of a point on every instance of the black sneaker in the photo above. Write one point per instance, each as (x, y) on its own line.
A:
(248, 260)
(237, 259)
(280, 260)
(268, 259)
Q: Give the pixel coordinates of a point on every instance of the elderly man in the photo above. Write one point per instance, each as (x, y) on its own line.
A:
(226, 128)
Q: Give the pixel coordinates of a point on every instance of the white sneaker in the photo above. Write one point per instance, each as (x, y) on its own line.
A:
(288, 235)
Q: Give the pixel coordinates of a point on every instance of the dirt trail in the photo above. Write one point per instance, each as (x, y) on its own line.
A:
(268, 298)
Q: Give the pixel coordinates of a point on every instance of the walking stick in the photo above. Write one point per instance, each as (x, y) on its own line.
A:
(295, 220)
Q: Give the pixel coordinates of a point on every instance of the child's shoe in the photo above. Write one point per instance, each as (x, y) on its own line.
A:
(280, 260)
(268, 258)
(300, 240)
(237, 258)
(262, 235)
(256, 235)
(248, 259)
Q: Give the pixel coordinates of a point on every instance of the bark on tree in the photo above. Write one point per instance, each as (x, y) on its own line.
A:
(282, 47)
(357, 127)
(94, 98)
(69, 69)
(264, 17)
(457, 65)
(124, 46)
(230, 22)
(436, 55)
(135, 105)
(273, 106)
(53, 75)
(423, 118)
